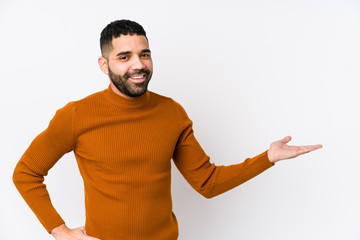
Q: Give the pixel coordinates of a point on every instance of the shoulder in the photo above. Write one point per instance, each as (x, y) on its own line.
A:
(92, 98)
(87, 103)
(164, 100)
(69, 109)
(170, 104)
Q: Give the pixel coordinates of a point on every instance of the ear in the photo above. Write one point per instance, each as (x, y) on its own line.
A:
(103, 64)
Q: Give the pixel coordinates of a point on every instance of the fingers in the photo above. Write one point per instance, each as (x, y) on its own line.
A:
(314, 147)
(279, 150)
(306, 149)
(302, 149)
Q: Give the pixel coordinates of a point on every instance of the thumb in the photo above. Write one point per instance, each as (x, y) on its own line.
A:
(286, 139)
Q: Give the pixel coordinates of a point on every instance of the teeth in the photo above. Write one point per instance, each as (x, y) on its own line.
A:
(138, 77)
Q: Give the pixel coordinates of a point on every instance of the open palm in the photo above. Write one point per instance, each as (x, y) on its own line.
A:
(279, 150)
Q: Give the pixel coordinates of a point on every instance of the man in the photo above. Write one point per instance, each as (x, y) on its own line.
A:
(124, 138)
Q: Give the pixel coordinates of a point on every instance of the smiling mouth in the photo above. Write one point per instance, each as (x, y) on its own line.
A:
(138, 78)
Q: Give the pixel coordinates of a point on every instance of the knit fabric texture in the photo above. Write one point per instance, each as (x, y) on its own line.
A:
(123, 148)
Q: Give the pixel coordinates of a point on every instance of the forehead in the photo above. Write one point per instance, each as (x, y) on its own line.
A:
(133, 43)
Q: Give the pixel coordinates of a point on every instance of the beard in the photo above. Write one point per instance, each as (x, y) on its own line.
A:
(129, 88)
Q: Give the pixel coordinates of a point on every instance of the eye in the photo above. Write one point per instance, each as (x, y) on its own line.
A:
(146, 55)
(123, 58)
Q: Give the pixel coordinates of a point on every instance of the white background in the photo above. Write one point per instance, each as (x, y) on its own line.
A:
(247, 72)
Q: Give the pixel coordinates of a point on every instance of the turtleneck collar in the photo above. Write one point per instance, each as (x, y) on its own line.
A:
(127, 103)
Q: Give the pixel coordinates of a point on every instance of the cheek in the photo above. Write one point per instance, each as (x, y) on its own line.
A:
(119, 69)
(149, 65)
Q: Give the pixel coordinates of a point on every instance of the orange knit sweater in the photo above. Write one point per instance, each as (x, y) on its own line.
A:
(124, 148)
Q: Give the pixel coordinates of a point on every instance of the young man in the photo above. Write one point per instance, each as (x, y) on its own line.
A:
(124, 138)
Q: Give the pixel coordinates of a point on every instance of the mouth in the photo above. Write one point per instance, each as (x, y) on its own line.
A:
(138, 78)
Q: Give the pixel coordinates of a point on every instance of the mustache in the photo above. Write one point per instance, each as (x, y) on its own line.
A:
(140, 71)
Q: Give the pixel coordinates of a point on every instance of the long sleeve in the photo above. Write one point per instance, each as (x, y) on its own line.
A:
(44, 151)
(205, 177)
(123, 148)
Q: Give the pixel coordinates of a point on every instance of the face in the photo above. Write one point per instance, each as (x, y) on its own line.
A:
(129, 65)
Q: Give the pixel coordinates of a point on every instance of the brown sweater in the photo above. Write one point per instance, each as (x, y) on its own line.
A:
(124, 148)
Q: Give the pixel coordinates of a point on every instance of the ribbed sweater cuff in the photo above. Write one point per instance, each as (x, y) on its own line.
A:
(263, 158)
(53, 224)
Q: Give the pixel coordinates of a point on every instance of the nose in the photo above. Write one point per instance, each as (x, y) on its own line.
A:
(137, 63)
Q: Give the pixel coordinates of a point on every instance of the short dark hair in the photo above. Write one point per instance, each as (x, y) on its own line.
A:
(117, 28)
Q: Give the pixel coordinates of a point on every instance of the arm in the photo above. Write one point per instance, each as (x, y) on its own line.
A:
(211, 180)
(44, 151)
(207, 178)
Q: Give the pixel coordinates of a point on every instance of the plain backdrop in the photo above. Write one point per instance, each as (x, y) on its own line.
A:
(247, 72)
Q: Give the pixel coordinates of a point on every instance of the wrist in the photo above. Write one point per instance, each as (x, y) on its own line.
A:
(271, 157)
(59, 230)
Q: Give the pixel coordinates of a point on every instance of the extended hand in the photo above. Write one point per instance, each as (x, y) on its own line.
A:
(279, 150)
(64, 233)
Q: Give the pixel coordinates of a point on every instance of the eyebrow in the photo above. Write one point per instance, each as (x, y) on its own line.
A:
(128, 52)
